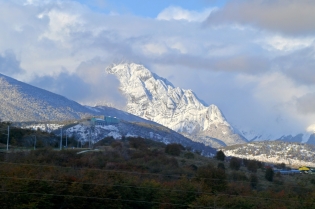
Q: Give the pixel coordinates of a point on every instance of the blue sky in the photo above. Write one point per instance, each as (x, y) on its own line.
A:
(147, 8)
(255, 59)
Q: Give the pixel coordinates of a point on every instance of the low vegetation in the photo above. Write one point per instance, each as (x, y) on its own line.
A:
(140, 173)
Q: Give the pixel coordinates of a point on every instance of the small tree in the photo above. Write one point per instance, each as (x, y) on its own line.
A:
(269, 174)
(280, 166)
(189, 155)
(174, 149)
(235, 163)
(221, 166)
(252, 166)
(212, 178)
(220, 155)
(253, 181)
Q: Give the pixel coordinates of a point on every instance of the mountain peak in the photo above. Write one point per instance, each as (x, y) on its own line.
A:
(154, 98)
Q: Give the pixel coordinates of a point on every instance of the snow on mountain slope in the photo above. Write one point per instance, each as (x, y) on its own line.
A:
(302, 137)
(22, 102)
(83, 131)
(292, 154)
(154, 98)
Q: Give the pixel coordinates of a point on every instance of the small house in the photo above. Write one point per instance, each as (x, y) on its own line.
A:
(105, 120)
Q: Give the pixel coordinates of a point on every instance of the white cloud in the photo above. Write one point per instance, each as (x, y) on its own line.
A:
(277, 95)
(286, 44)
(178, 13)
(154, 48)
(294, 17)
(311, 128)
(61, 24)
(256, 76)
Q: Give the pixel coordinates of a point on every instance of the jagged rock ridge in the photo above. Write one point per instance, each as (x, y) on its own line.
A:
(154, 98)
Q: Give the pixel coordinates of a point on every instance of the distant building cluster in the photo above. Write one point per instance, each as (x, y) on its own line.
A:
(104, 120)
(303, 169)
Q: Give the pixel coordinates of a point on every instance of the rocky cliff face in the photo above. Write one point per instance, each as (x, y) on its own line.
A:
(154, 98)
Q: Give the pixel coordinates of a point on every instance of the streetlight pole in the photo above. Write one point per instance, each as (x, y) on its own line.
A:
(90, 139)
(35, 142)
(8, 138)
(60, 138)
(66, 140)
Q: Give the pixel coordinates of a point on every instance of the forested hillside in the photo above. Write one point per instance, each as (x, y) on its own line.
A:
(140, 173)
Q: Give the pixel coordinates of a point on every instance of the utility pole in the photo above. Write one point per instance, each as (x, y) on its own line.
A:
(35, 142)
(60, 139)
(8, 138)
(75, 137)
(90, 139)
(66, 139)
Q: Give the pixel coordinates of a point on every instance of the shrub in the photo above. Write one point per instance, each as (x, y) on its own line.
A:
(253, 181)
(235, 163)
(269, 174)
(189, 155)
(221, 166)
(173, 149)
(238, 176)
(252, 166)
(138, 143)
(220, 155)
(116, 144)
(212, 178)
(280, 166)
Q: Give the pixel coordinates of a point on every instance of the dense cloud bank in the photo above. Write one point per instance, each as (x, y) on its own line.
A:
(254, 59)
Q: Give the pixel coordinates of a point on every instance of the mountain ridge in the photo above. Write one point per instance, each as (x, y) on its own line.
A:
(154, 98)
(21, 103)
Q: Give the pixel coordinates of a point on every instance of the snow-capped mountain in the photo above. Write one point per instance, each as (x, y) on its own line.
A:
(22, 103)
(84, 132)
(154, 98)
(292, 154)
(302, 137)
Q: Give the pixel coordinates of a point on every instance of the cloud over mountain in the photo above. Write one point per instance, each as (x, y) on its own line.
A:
(293, 17)
(244, 52)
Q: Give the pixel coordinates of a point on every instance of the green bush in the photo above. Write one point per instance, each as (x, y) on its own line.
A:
(189, 155)
(253, 181)
(138, 143)
(252, 166)
(235, 163)
(212, 179)
(221, 166)
(173, 149)
(220, 155)
(269, 174)
(238, 176)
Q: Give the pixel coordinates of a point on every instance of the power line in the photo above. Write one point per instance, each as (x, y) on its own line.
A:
(214, 195)
(97, 169)
(96, 184)
(100, 198)
(130, 172)
(141, 187)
